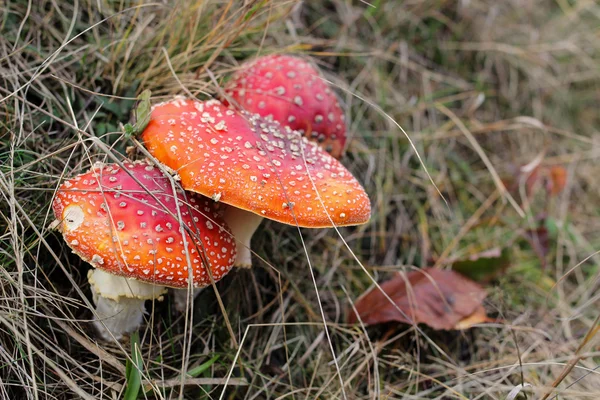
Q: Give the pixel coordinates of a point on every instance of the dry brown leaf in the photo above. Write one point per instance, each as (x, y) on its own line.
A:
(478, 317)
(442, 299)
(535, 177)
(557, 180)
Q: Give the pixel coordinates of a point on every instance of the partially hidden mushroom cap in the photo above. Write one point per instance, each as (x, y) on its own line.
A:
(250, 163)
(129, 227)
(291, 91)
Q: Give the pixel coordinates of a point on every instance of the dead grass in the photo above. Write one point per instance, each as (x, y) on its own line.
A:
(480, 87)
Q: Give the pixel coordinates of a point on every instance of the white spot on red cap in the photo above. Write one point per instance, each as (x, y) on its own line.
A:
(96, 259)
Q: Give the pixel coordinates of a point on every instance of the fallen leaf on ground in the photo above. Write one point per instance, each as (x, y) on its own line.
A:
(477, 317)
(442, 299)
(483, 266)
(527, 175)
(535, 176)
(557, 180)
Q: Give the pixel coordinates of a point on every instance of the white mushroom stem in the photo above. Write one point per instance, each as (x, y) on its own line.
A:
(120, 302)
(181, 297)
(243, 224)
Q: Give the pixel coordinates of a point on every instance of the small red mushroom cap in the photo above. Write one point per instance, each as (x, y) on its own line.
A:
(291, 91)
(124, 221)
(250, 163)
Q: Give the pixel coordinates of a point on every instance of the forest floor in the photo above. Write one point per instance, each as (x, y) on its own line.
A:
(500, 101)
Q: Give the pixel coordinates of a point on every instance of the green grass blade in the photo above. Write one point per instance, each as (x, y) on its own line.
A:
(133, 369)
(194, 372)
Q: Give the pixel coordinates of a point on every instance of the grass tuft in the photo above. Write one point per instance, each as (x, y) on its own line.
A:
(481, 88)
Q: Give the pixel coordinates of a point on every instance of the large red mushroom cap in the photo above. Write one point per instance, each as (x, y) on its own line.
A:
(125, 222)
(291, 91)
(250, 163)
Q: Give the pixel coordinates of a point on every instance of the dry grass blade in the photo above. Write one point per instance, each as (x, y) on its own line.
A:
(594, 329)
(443, 102)
(93, 348)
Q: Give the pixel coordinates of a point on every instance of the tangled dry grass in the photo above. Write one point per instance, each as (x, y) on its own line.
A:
(480, 87)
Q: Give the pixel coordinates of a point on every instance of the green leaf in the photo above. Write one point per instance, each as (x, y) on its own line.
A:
(129, 130)
(114, 108)
(133, 369)
(141, 113)
(101, 129)
(484, 266)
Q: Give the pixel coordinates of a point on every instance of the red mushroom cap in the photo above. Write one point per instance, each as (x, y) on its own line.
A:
(122, 227)
(291, 91)
(250, 163)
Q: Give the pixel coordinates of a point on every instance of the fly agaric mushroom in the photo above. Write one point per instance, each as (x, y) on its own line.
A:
(258, 168)
(291, 91)
(125, 222)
